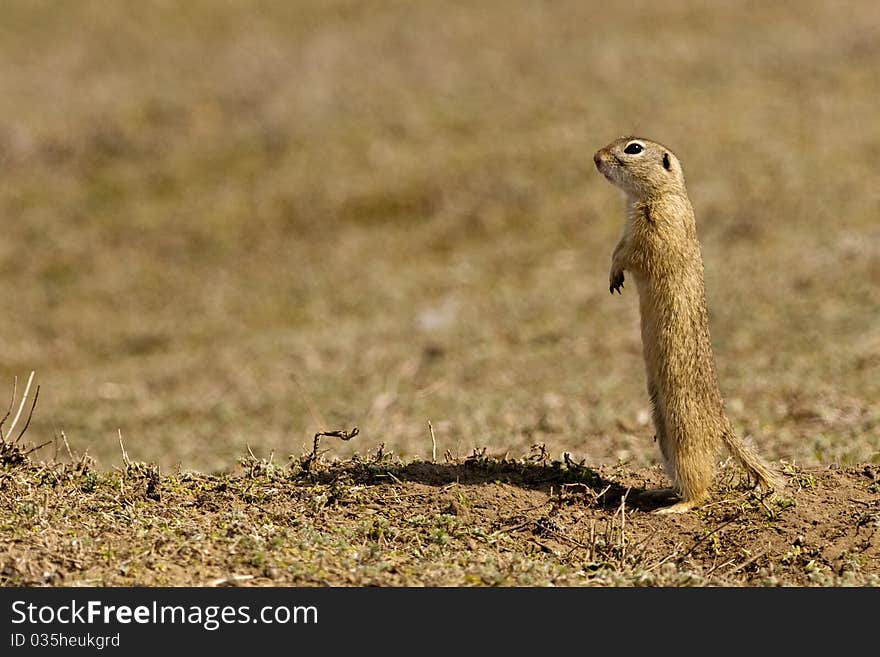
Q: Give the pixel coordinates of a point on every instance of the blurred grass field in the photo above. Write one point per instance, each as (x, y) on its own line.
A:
(237, 223)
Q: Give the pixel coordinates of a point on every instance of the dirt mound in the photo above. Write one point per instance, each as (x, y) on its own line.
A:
(379, 521)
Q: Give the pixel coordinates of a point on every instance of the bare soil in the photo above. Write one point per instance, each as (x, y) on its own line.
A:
(478, 521)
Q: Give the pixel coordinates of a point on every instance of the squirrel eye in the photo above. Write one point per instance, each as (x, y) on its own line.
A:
(633, 148)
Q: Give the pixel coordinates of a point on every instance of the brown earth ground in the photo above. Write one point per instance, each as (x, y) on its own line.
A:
(228, 226)
(480, 521)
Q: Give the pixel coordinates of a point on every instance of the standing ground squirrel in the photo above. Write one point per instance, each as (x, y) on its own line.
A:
(659, 248)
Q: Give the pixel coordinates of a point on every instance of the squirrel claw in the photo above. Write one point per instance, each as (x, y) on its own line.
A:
(616, 283)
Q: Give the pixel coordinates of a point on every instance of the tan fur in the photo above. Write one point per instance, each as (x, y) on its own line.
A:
(659, 247)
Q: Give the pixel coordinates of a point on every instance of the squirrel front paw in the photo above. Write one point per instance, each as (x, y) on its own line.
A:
(616, 280)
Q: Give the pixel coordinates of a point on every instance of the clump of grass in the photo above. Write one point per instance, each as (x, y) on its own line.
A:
(309, 461)
(12, 451)
(142, 475)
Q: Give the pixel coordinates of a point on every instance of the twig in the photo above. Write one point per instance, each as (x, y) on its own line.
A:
(21, 405)
(125, 459)
(662, 561)
(722, 565)
(391, 476)
(67, 446)
(35, 448)
(593, 539)
(747, 563)
(605, 490)
(230, 581)
(517, 527)
(30, 415)
(769, 511)
(564, 537)
(705, 536)
(339, 433)
(433, 443)
(623, 527)
(342, 434)
(11, 405)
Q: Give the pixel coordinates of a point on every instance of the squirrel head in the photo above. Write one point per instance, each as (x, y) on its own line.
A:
(642, 168)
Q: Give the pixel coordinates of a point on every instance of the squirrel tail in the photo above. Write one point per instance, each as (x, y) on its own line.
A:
(758, 470)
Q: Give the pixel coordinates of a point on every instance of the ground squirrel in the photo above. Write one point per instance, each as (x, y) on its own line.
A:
(659, 248)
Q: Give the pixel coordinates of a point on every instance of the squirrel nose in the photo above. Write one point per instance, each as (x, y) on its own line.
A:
(597, 158)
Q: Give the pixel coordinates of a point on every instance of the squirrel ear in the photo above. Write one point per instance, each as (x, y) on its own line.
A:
(666, 163)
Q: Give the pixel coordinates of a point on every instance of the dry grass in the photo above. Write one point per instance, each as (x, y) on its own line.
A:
(380, 521)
